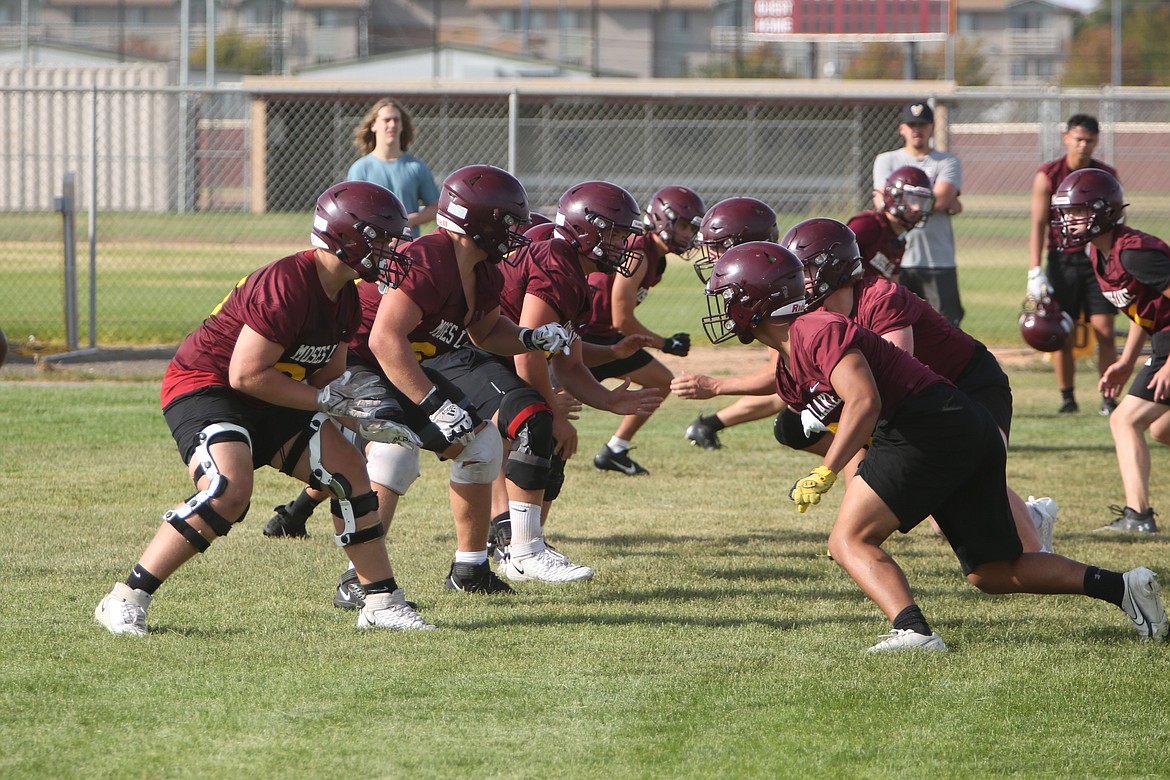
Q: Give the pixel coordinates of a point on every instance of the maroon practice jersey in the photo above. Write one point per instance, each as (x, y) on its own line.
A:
(285, 303)
(881, 248)
(1056, 171)
(1146, 306)
(601, 317)
(882, 306)
(435, 286)
(819, 340)
(551, 271)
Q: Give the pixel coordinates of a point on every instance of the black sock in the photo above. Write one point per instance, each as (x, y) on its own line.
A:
(713, 422)
(1066, 394)
(381, 586)
(141, 579)
(303, 505)
(1105, 585)
(911, 619)
(505, 515)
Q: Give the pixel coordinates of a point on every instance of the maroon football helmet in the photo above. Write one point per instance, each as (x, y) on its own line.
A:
(669, 207)
(1091, 199)
(487, 204)
(542, 232)
(535, 219)
(908, 196)
(728, 223)
(1043, 325)
(830, 255)
(597, 217)
(364, 224)
(750, 283)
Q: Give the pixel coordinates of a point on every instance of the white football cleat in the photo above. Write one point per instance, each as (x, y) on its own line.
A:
(1143, 603)
(905, 639)
(1043, 511)
(545, 566)
(390, 610)
(123, 610)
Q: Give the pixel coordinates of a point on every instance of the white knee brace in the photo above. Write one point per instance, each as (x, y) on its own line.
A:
(392, 465)
(479, 463)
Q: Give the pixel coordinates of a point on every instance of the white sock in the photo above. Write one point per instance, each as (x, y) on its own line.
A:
(474, 558)
(526, 534)
(619, 445)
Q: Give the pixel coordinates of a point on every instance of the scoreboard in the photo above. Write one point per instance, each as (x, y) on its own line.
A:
(887, 19)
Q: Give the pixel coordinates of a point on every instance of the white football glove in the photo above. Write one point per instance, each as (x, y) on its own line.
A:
(450, 418)
(389, 432)
(352, 395)
(551, 337)
(812, 424)
(1038, 286)
(384, 424)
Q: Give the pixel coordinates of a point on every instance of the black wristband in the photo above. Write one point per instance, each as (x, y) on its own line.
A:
(526, 338)
(431, 402)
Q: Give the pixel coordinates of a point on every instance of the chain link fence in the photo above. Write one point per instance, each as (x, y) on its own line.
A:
(181, 193)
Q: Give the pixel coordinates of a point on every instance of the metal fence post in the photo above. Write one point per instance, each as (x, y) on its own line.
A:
(65, 206)
(513, 130)
(93, 207)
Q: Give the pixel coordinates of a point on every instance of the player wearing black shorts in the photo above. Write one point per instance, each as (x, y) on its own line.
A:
(1133, 271)
(933, 451)
(261, 382)
(422, 337)
(671, 220)
(1067, 273)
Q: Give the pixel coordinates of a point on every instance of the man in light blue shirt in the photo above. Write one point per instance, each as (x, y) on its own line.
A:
(928, 267)
(382, 137)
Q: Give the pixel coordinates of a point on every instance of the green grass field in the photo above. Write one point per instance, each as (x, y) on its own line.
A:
(715, 641)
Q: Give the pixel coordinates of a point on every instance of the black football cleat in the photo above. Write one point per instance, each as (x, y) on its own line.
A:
(473, 578)
(1131, 521)
(702, 435)
(286, 523)
(608, 460)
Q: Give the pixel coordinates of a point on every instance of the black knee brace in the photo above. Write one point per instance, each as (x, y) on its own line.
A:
(360, 506)
(789, 431)
(526, 419)
(556, 478)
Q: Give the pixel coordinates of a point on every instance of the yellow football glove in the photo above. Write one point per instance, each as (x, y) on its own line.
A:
(808, 490)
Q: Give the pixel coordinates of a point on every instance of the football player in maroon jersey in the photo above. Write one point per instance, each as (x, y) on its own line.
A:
(1133, 272)
(907, 201)
(671, 220)
(259, 382)
(435, 340)
(548, 284)
(838, 282)
(1067, 274)
(931, 451)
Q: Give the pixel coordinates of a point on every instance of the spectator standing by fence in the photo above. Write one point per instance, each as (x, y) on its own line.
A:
(928, 266)
(383, 137)
(1069, 277)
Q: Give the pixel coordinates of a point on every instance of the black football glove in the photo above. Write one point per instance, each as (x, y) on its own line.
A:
(678, 344)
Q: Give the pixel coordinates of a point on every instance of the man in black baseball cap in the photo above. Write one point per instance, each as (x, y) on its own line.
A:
(917, 114)
(928, 265)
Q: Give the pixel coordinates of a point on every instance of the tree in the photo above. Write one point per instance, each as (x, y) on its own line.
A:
(759, 62)
(887, 61)
(1145, 56)
(237, 52)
